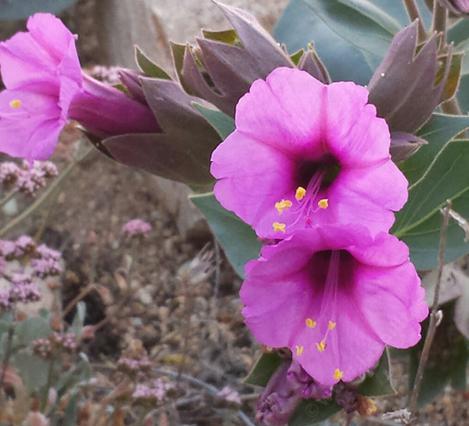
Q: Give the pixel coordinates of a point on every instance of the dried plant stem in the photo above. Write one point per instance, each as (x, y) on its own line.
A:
(414, 13)
(212, 390)
(8, 196)
(87, 290)
(8, 352)
(462, 223)
(435, 316)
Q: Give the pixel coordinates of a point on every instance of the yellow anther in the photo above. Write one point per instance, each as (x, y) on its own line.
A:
(321, 346)
(15, 104)
(300, 193)
(299, 350)
(279, 227)
(283, 205)
(310, 323)
(338, 374)
(331, 325)
(323, 203)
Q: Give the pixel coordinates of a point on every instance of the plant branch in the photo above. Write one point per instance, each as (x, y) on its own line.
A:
(414, 13)
(435, 316)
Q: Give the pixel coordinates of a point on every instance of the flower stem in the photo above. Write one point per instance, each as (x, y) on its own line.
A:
(440, 17)
(8, 352)
(8, 196)
(414, 13)
(435, 316)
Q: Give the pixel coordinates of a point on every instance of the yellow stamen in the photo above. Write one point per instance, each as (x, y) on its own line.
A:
(338, 374)
(283, 205)
(300, 193)
(321, 346)
(310, 323)
(15, 104)
(279, 227)
(331, 325)
(299, 350)
(323, 203)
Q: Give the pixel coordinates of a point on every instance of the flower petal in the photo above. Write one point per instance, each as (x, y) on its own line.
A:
(285, 111)
(241, 165)
(355, 135)
(32, 129)
(392, 302)
(351, 199)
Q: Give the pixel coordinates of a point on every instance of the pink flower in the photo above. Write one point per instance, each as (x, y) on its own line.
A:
(45, 87)
(335, 296)
(136, 228)
(306, 153)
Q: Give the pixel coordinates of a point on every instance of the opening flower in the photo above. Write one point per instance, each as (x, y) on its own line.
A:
(335, 296)
(45, 87)
(306, 153)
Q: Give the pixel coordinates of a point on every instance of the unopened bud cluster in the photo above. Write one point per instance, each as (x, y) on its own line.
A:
(153, 393)
(22, 263)
(26, 178)
(136, 228)
(56, 342)
(134, 366)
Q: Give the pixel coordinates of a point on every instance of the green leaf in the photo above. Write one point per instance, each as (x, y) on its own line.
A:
(351, 36)
(379, 381)
(310, 412)
(423, 240)
(221, 122)
(32, 369)
(12, 10)
(32, 329)
(71, 412)
(238, 240)
(446, 179)
(148, 67)
(438, 131)
(265, 366)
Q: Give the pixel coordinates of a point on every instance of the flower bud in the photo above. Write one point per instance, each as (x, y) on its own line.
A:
(456, 7)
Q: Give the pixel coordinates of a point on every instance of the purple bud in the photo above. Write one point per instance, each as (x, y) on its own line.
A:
(346, 396)
(25, 245)
(457, 7)
(106, 111)
(287, 387)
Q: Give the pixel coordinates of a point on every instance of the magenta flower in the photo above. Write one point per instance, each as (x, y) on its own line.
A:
(306, 153)
(45, 87)
(335, 296)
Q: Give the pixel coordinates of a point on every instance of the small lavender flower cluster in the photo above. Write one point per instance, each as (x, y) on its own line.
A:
(153, 393)
(27, 179)
(136, 228)
(56, 342)
(21, 263)
(134, 366)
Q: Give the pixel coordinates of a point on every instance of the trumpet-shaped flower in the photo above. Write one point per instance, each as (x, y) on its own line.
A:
(306, 153)
(45, 87)
(335, 296)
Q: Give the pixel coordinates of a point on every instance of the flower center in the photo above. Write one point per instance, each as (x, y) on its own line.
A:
(331, 270)
(313, 178)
